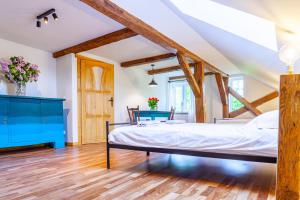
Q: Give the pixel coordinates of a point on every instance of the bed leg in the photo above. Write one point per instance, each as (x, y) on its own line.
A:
(148, 153)
(107, 146)
(107, 157)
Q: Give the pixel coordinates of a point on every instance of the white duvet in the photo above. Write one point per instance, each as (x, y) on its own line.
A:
(219, 138)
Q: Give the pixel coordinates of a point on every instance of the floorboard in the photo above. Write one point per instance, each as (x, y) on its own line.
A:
(79, 173)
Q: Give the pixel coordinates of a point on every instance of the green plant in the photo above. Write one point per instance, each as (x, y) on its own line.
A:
(18, 71)
(152, 102)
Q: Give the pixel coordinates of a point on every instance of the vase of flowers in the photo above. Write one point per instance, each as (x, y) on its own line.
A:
(16, 70)
(152, 103)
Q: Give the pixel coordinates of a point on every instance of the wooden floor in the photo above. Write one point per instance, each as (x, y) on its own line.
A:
(80, 173)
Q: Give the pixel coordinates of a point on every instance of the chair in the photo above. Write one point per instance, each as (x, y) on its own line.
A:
(131, 114)
(172, 113)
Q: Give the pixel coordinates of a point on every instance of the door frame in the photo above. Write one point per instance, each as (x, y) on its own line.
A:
(79, 97)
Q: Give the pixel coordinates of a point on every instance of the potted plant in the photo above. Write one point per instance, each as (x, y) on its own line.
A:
(152, 103)
(16, 70)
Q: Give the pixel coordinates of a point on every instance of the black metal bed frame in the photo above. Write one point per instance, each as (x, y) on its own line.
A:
(263, 159)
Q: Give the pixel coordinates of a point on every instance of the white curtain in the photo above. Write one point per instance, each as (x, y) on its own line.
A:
(181, 97)
(191, 111)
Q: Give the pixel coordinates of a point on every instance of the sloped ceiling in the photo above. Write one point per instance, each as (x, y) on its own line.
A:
(229, 52)
(158, 15)
(77, 23)
(255, 60)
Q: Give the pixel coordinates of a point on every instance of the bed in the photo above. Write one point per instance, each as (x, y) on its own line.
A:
(255, 141)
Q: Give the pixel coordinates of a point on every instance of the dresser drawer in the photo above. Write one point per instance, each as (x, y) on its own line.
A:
(3, 122)
(31, 120)
(25, 122)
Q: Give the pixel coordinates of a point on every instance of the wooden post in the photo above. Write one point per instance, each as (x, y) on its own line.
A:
(223, 90)
(226, 106)
(288, 164)
(199, 101)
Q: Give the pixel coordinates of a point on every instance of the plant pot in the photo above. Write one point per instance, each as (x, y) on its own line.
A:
(20, 89)
(153, 109)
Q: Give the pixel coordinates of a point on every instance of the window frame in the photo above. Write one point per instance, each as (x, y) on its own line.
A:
(231, 80)
(184, 85)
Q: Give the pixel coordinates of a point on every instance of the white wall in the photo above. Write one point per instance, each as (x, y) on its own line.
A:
(66, 74)
(46, 85)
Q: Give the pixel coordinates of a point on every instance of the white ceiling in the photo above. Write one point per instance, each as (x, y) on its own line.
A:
(78, 22)
(158, 15)
(129, 49)
(251, 58)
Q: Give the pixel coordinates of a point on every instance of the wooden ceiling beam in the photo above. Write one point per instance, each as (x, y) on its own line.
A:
(244, 101)
(173, 78)
(255, 103)
(120, 15)
(97, 42)
(166, 69)
(147, 60)
(189, 75)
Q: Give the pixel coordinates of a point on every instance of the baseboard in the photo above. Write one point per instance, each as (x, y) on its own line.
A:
(22, 147)
(72, 143)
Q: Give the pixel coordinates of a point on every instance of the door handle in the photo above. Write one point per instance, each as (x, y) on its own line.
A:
(111, 101)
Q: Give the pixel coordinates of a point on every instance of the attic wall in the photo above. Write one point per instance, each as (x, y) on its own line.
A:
(253, 89)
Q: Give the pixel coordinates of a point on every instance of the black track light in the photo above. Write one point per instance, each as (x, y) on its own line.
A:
(46, 20)
(54, 15)
(38, 24)
(44, 17)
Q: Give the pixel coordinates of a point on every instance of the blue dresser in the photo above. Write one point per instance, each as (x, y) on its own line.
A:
(31, 120)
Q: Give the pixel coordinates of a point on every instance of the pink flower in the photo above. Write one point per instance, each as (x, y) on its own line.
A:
(34, 66)
(4, 65)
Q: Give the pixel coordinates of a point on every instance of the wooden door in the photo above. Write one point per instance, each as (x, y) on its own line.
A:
(96, 92)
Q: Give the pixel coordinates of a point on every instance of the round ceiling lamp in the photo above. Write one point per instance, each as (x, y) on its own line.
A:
(289, 54)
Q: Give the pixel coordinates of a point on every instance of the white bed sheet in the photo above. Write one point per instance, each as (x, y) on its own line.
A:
(218, 138)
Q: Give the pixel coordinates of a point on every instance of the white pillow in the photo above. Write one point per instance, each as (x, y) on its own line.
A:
(268, 120)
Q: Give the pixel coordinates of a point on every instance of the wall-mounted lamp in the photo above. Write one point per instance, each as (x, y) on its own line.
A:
(289, 54)
(152, 83)
(44, 17)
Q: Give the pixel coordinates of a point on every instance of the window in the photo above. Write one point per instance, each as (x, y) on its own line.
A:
(180, 96)
(237, 84)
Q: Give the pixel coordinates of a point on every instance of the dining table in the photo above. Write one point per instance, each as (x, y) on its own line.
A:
(152, 114)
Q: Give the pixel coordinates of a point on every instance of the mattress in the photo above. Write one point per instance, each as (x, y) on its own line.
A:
(218, 138)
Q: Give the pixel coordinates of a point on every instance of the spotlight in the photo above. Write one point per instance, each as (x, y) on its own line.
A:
(46, 20)
(44, 17)
(38, 24)
(54, 16)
